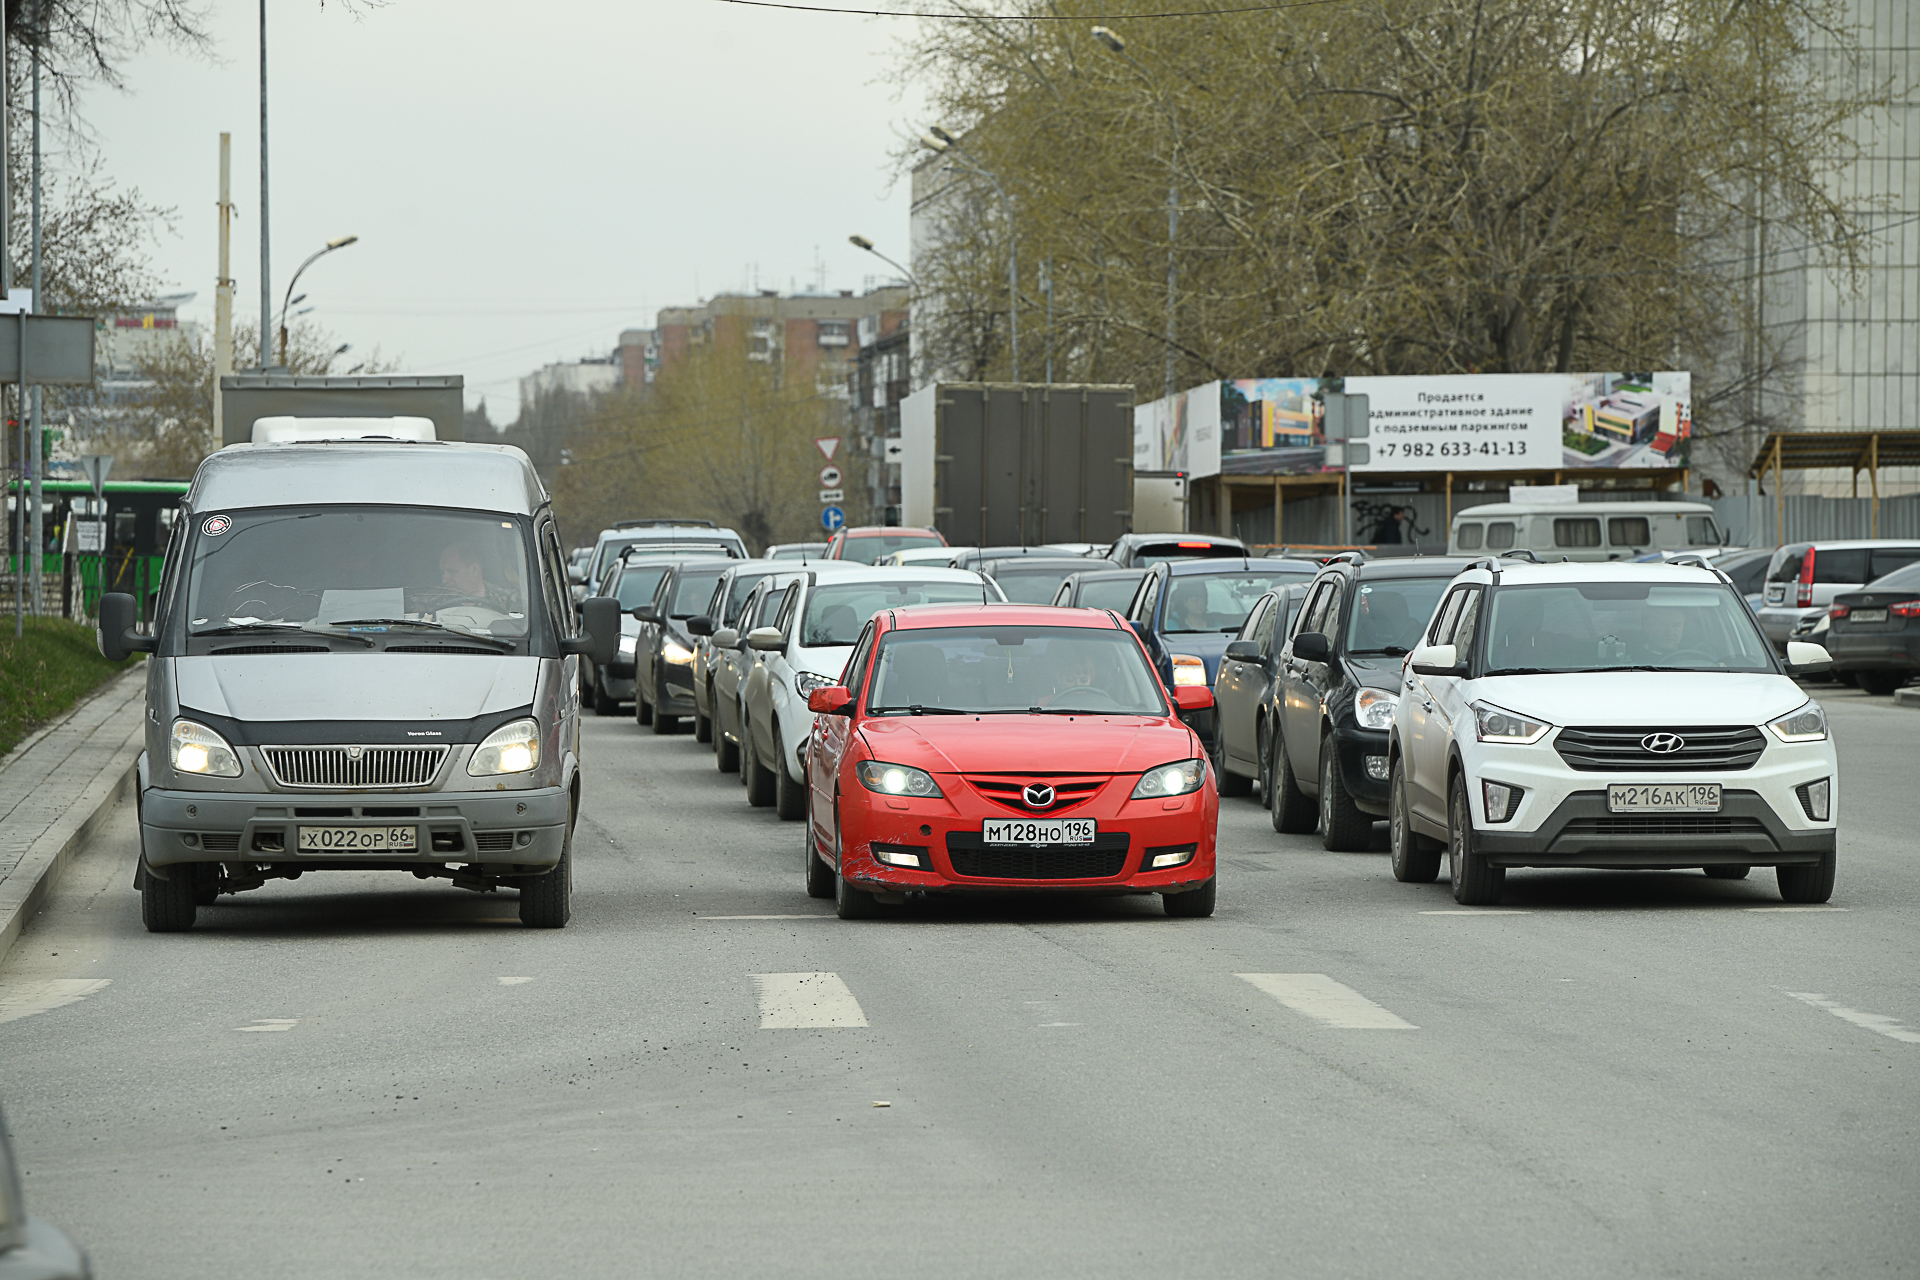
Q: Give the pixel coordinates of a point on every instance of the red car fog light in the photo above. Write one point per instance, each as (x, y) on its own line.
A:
(1159, 858)
(913, 856)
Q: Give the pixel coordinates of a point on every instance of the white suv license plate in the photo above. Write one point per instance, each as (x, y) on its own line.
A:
(1663, 797)
(350, 840)
(1039, 831)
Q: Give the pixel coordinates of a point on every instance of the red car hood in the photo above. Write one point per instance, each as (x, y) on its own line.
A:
(1030, 744)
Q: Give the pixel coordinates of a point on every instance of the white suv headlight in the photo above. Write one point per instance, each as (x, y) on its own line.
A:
(194, 748)
(512, 748)
(805, 682)
(1808, 724)
(1373, 708)
(1495, 724)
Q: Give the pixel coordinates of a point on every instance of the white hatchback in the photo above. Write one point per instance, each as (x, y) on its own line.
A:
(1616, 716)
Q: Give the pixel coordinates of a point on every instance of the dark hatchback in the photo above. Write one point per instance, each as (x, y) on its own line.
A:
(1032, 579)
(1332, 698)
(1874, 633)
(664, 647)
(1240, 689)
(1098, 589)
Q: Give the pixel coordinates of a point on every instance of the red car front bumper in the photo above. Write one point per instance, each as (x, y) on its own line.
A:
(945, 835)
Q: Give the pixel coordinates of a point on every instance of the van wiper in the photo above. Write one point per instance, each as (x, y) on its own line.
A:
(277, 628)
(337, 629)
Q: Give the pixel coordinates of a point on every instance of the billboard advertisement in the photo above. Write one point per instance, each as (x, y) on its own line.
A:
(1458, 422)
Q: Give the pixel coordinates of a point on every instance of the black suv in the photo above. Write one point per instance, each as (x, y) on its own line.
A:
(663, 649)
(1330, 705)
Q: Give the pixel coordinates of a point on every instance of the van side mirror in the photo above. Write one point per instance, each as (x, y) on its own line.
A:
(700, 625)
(1802, 658)
(766, 639)
(118, 640)
(600, 631)
(1435, 660)
(1311, 646)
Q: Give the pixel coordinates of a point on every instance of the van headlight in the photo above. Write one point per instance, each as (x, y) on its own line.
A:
(1495, 724)
(1181, 778)
(512, 748)
(1373, 708)
(194, 748)
(1808, 724)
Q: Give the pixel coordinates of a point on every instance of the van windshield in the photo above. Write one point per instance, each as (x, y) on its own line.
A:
(373, 568)
(1622, 626)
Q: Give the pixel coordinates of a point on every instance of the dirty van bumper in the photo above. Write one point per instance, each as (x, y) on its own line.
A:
(518, 828)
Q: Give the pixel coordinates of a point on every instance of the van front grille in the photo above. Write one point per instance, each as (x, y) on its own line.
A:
(347, 768)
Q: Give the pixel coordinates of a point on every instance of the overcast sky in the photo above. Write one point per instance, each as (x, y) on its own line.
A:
(526, 180)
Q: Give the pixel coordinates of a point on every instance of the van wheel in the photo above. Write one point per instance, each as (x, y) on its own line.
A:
(1343, 828)
(1416, 858)
(1194, 904)
(1800, 884)
(546, 901)
(1727, 873)
(1879, 684)
(1475, 884)
(819, 875)
(1289, 808)
(168, 906)
(760, 779)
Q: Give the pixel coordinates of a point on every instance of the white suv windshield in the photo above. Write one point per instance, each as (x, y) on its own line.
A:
(983, 670)
(1622, 626)
(836, 613)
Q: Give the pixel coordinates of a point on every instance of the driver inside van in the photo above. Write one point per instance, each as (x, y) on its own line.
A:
(463, 577)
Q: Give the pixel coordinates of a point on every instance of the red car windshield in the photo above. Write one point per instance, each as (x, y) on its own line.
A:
(983, 670)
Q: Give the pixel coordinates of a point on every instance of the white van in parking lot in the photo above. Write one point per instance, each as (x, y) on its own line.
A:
(1584, 530)
(1628, 716)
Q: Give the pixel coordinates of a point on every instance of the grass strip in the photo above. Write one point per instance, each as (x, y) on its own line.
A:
(43, 672)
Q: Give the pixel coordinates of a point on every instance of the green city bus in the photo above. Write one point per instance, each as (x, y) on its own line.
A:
(139, 516)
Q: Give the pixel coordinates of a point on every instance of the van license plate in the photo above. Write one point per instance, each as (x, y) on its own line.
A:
(359, 839)
(1687, 797)
(1868, 615)
(1039, 831)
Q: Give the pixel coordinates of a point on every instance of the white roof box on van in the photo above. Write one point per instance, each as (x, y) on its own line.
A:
(290, 430)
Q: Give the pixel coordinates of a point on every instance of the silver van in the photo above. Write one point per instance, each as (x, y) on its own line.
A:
(1584, 530)
(364, 658)
(1804, 577)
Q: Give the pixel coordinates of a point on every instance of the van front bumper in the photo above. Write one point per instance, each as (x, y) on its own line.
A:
(518, 828)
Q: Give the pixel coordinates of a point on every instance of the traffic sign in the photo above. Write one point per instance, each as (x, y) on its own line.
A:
(832, 518)
(95, 466)
(828, 445)
(896, 449)
(829, 477)
(833, 495)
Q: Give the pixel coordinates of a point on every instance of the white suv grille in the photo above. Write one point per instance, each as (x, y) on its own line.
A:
(347, 768)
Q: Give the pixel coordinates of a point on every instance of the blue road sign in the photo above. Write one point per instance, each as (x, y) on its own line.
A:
(832, 518)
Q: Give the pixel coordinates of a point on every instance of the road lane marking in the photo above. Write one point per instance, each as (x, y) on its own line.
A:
(1782, 909)
(1477, 911)
(271, 1024)
(1318, 996)
(1878, 1023)
(811, 915)
(514, 982)
(797, 1000)
(24, 999)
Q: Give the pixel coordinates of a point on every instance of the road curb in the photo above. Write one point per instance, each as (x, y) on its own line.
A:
(26, 889)
(1907, 698)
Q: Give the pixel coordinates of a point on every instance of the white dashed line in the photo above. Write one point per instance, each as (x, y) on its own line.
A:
(811, 915)
(24, 999)
(514, 982)
(1477, 911)
(271, 1024)
(796, 1000)
(1878, 1023)
(1318, 996)
(1796, 909)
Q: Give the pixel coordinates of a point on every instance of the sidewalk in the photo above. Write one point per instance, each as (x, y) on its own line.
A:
(57, 785)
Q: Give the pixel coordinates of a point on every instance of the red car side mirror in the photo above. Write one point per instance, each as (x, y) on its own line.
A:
(1192, 697)
(834, 700)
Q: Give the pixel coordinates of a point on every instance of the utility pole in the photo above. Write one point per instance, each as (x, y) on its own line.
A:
(223, 288)
(36, 453)
(266, 256)
(1046, 287)
(1173, 240)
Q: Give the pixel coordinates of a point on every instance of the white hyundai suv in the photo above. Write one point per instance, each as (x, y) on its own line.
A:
(1607, 715)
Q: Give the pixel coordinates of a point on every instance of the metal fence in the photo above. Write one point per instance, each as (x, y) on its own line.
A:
(1750, 519)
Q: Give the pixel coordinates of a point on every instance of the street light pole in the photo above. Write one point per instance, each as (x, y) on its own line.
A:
(266, 255)
(861, 242)
(1114, 43)
(940, 140)
(312, 258)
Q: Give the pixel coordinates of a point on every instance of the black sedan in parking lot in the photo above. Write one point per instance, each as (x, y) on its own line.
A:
(1874, 633)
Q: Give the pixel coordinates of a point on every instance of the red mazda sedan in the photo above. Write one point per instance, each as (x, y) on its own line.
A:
(1006, 747)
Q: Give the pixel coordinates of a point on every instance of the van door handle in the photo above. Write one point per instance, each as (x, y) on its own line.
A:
(1426, 705)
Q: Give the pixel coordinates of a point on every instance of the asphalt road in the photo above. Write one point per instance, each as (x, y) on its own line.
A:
(1618, 1074)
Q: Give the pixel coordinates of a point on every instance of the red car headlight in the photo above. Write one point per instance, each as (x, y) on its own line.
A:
(896, 779)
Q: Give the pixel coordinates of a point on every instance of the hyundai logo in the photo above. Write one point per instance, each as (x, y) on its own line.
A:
(1662, 744)
(1039, 796)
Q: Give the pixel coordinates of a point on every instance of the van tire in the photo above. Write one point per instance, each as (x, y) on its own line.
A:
(546, 901)
(168, 906)
(1416, 858)
(1289, 808)
(1808, 883)
(1343, 828)
(1475, 883)
(760, 779)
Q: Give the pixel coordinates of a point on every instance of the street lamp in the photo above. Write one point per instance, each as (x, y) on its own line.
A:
(1107, 37)
(939, 141)
(312, 258)
(861, 242)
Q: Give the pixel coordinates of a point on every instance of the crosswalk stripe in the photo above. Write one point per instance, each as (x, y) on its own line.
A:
(1318, 996)
(798, 1000)
(1878, 1023)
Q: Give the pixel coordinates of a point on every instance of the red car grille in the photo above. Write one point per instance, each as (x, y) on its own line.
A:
(1011, 790)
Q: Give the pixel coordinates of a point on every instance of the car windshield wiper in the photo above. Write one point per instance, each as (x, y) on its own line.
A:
(336, 629)
(1390, 650)
(242, 628)
(918, 710)
(1529, 671)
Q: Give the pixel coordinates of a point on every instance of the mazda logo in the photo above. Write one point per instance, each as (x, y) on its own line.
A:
(1662, 744)
(1039, 796)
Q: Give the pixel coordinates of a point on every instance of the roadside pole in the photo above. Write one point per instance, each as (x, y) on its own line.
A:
(266, 258)
(37, 450)
(223, 287)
